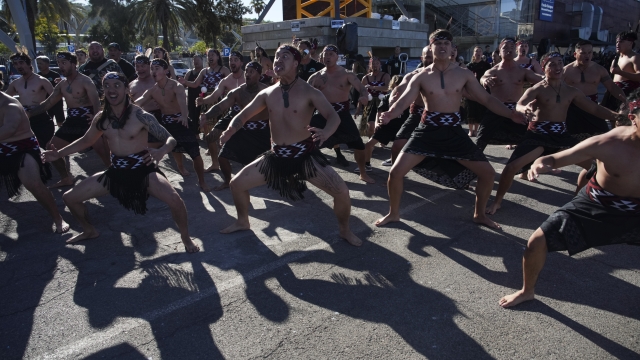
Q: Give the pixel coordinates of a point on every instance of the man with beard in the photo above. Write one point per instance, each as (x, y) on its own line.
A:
(169, 95)
(79, 92)
(20, 162)
(439, 149)
(133, 174)
(585, 75)
(32, 89)
(57, 111)
(308, 66)
(294, 158)
(232, 81)
(253, 139)
(115, 53)
(335, 83)
(139, 86)
(625, 68)
(403, 134)
(98, 66)
(523, 60)
(547, 102)
(506, 81)
(606, 212)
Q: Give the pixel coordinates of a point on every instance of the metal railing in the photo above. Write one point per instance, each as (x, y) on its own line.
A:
(465, 22)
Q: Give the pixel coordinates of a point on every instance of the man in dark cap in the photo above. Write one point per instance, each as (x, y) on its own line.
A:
(115, 53)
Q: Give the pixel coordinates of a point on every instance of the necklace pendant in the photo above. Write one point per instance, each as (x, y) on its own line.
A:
(115, 124)
(441, 80)
(162, 92)
(582, 80)
(285, 97)
(558, 98)
(69, 89)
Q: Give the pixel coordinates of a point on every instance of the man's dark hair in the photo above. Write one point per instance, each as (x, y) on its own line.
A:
(21, 56)
(67, 55)
(582, 43)
(634, 97)
(308, 44)
(217, 53)
(440, 34)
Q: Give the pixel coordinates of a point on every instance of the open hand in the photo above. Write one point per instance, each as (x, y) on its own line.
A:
(184, 121)
(153, 156)
(490, 81)
(539, 168)
(50, 155)
(318, 135)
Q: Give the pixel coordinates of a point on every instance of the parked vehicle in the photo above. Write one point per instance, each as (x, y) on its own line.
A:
(180, 68)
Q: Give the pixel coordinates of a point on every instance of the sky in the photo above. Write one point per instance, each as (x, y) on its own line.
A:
(275, 14)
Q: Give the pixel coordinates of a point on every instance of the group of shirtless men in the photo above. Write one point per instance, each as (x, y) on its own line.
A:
(277, 130)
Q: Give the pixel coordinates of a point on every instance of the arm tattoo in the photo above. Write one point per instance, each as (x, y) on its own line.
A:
(214, 112)
(154, 126)
(236, 123)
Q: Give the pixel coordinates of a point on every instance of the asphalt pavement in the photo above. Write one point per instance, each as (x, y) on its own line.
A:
(426, 287)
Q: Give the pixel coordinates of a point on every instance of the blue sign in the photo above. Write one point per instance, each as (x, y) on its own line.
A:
(139, 48)
(546, 10)
(71, 48)
(226, 51)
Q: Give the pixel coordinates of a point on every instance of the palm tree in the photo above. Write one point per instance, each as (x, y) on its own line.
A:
(48, 8)
(170, 15)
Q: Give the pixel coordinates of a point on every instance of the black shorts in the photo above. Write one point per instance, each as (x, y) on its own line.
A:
(43, 128)
(346, 133)
(408, 126)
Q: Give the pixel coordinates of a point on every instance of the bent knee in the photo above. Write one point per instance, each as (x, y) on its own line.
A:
(537, 241)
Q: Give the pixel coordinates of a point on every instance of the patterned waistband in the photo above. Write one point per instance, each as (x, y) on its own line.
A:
(627, 85)
(601, 196)
(129, 162)
(19, 146)
(593, 98)
(434, 118)
(294, 150)
(341, 106)
(416, 109)
(256, 125)
(236, 108)
(547, 127)
(80, 111)
(511, 105)
(171, 118)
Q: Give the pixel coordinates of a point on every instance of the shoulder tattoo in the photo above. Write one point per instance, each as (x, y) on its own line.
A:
(154, 126)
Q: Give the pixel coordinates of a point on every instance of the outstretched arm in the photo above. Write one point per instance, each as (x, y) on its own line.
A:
(483, 97)
(357, 84)
(219, 108)
(145, 98)
(258, 104)
(613, 89)
(533, 77)
(585, 150)
(211, 99)
(581, 101)
(195, 83)
(88, 139)
(410, 94)
(53, 99)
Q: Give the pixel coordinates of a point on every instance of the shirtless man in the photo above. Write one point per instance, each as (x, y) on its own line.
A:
(606, 212)
(81, 97)
(161, 53)
(548, 102)
(232, 81)
(523, 59)
(415, 110)
(32, 89)
(20, 162)
(439, 139)
(265, 62)
(626, 70)
(137, 88)
(294, 158)
(335, 83)
(133, 174)
(254, 138)
(506, 81)
(171, 98)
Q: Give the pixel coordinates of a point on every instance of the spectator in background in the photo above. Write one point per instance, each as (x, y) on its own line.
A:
(394, 64)
(98, 66)
(496, 58)
(115, 53)
(57, 111)
(360, 70)
(81, 54)
(487, 54)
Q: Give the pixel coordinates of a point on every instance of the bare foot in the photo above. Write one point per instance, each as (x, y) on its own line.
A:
(204, 187)
(84, 236)
(487, 222)
(493, 208)
(236, 226)
(221, 186)
(351, 238)
(184, 172)
(68, 181)
(511, 147)
(190, 246)
(515, 299)
(366, 178)
(61, 226)
(523, 176)
(212, 168)
(387, 219)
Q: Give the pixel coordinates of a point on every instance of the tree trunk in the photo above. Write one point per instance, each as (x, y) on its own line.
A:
(165, 36)
(31, 17)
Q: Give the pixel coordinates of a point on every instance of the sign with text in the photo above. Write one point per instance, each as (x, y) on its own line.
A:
(395, 25)
(336, 24)
(226, 51)
(546, 10)
(295, 26)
